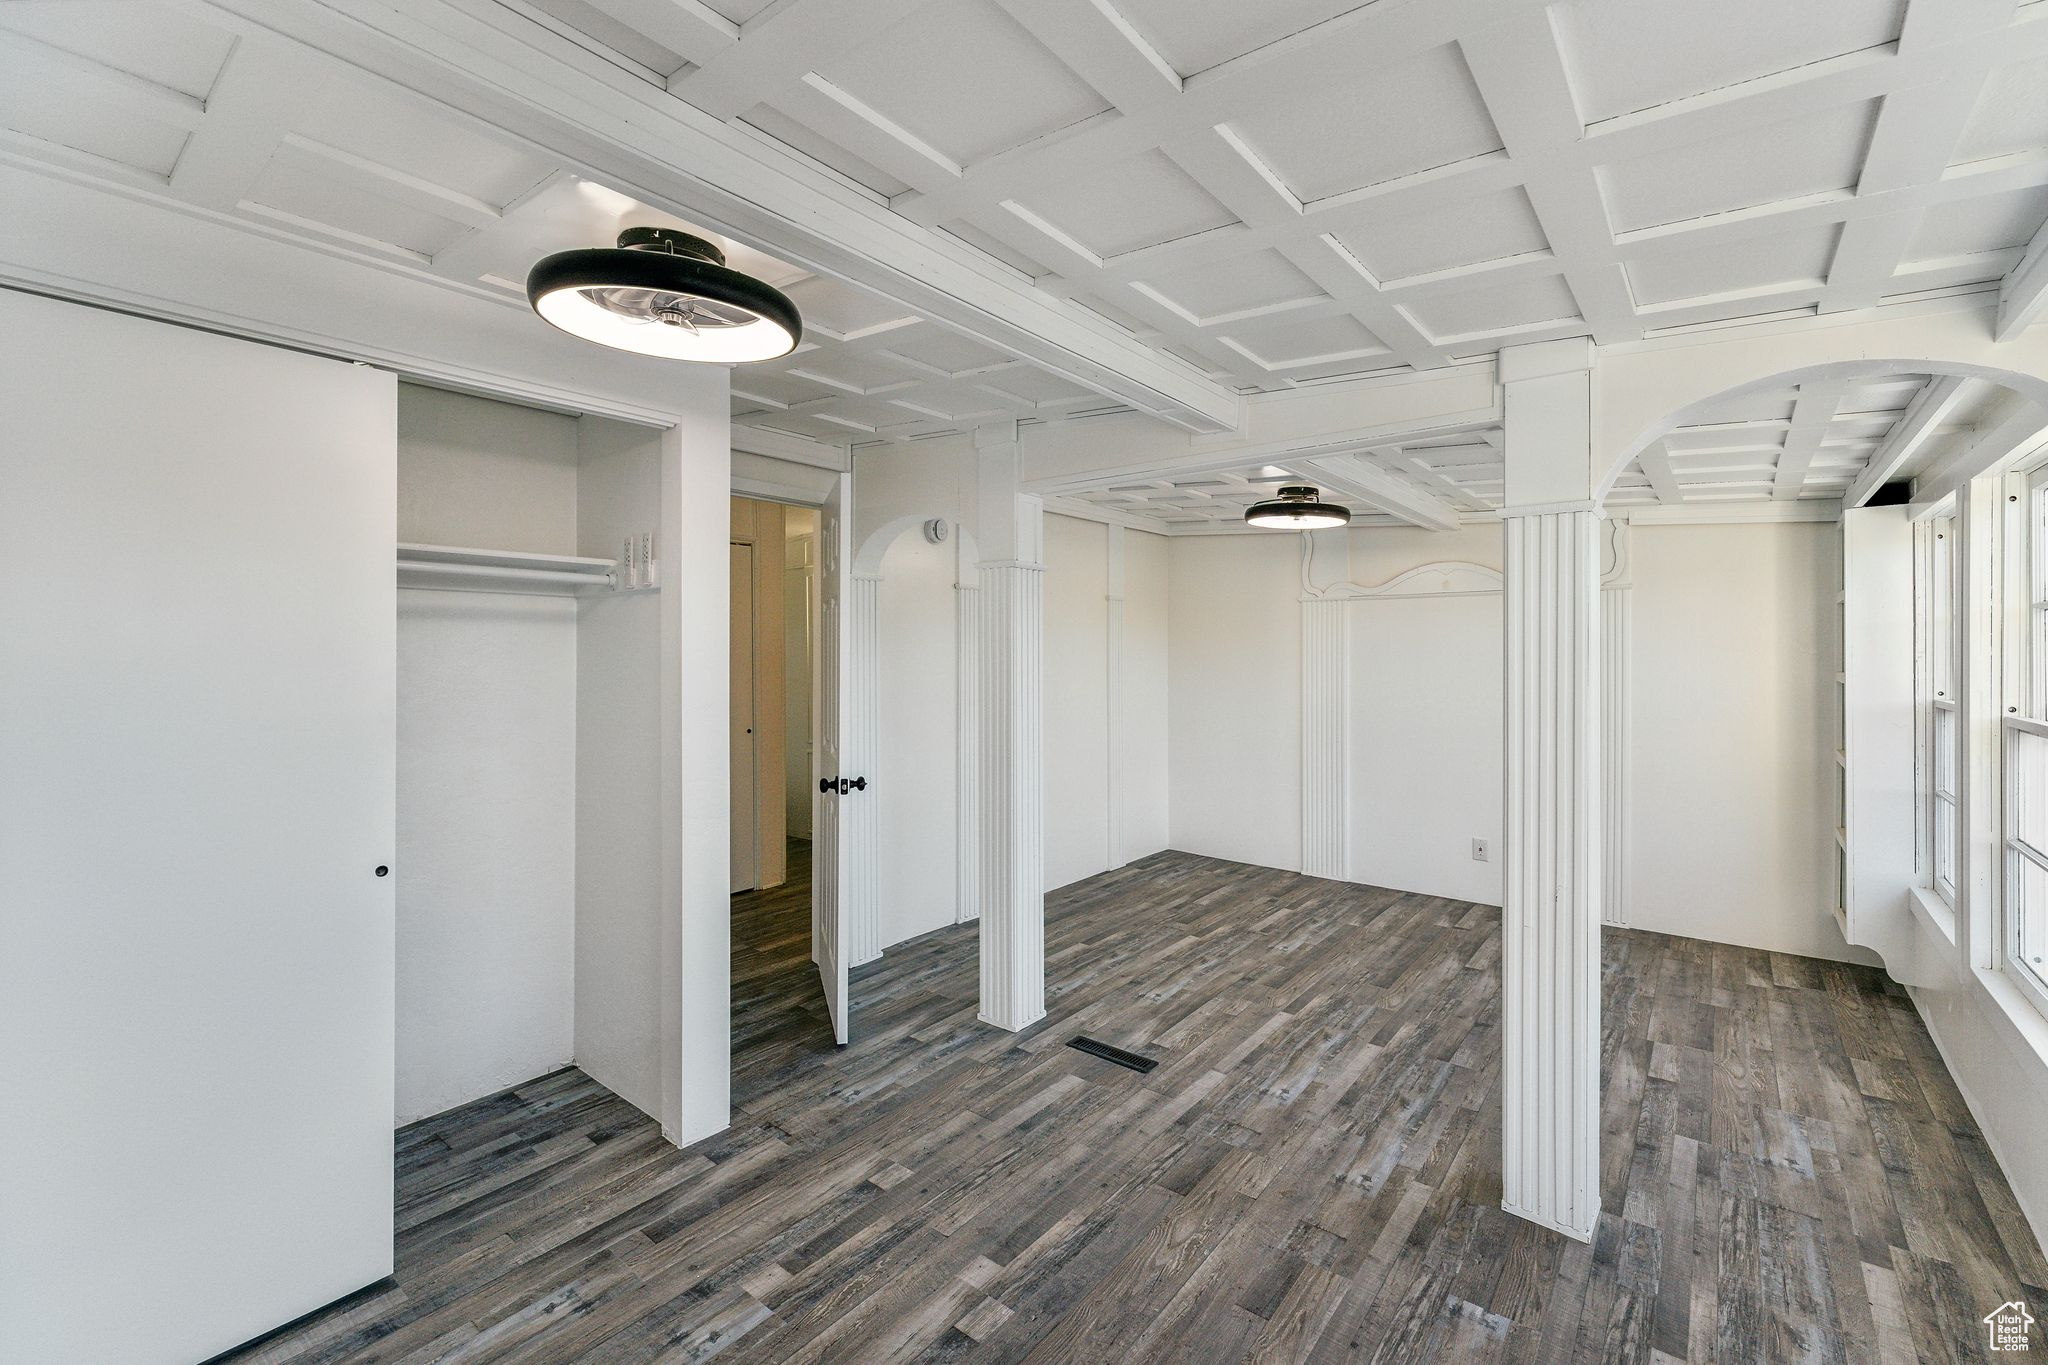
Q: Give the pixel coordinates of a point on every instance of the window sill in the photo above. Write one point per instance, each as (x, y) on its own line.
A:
(1933, 913)
(2016, 1016)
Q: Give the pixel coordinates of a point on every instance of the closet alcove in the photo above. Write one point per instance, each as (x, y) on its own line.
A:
(529, 849)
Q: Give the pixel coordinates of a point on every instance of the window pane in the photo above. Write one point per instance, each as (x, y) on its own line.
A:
(1944, 842)
(1944, 750)
(2029, 815)
(2031, 942)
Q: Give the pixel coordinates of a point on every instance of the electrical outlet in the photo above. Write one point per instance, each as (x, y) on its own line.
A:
(1482, 850)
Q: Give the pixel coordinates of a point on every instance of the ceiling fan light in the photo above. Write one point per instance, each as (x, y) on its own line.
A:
(664, 293)
(1297, 507)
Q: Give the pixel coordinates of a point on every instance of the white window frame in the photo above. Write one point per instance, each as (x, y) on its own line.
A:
(1939, 684)
(2023, 707)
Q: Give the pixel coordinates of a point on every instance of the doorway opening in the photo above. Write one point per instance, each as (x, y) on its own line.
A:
(776, 997)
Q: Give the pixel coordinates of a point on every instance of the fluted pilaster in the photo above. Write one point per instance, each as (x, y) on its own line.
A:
(967, 782)
(1325, 737)
(859, 819)
(1010, 678)
(1550, 922)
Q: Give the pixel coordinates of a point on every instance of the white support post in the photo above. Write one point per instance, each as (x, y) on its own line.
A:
(1010, 676)
(1325, 736)
(1113, 613)
(860, 834)
(1550, 922)
(1616, 619)
(967, 694)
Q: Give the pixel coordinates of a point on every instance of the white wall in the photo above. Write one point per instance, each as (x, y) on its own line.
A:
(1146, 697)
(1234, 704)
(1426, 745)
(485, 872)
(915, 770)
(933, 479)
(1076, 700)
(1731, 673)
(619, 895)
(799, 613)
(1424, 761)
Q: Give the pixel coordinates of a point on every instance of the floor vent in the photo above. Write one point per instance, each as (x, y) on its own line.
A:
(1095, 1047)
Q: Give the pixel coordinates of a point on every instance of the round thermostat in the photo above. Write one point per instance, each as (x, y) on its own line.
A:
(936, 530)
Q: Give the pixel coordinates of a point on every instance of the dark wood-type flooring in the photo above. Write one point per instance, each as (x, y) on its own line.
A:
(1311, 1174)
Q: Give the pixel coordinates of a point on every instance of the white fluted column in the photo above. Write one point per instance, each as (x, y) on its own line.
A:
(1616, 620)
(1113, 613)
(967, 781)
(1550, 917)
(1010, 675)
(1325, 737)
(859, 823)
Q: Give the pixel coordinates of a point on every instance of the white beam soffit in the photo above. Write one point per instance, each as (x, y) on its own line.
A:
(500, 66)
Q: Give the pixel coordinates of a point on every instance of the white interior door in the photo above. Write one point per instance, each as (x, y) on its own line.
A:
(197, 702)
(829, 725)
(746, 853)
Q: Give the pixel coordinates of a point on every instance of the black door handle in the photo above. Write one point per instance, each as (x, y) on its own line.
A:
(859, 784)
(826, 784)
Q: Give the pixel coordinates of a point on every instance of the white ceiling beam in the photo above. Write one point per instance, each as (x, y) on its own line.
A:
(485, 61)
(1356, 477)
(1931, 407)
(780, 46)
(692, 30)
(1522, 78)
(248, 111)
(1101, 47)
(1656, 463)
(1812, 411)
(2023, 294)
(2023, 431)
(1730, 513)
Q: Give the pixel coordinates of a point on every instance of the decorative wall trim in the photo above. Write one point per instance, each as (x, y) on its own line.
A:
(1010, 680)
(1550, 965)
(1443, 578)
(1438, 578)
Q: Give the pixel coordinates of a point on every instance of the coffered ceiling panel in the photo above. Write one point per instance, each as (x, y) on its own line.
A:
(1796, 159)
(152, 43)
(1422, 113)
(1457, 235)
(1138, 202)
(1969, 227)
(1673, 270)
(1262, 282)
(2010, 116)
(1192, 38)
(1626, 56)
(960, 77)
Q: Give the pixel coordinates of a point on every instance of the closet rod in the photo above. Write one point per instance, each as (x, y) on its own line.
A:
(508, 575)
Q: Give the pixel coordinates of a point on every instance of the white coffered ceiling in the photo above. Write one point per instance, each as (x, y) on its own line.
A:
(162, 101)
(1820, 439)
(1436, 481)
(1271, 196)
(1285, 192)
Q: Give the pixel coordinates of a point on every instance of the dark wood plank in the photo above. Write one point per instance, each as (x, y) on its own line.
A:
(1311, 1174)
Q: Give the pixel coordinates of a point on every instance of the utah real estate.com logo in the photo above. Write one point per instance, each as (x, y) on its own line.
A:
(2008, 1324)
